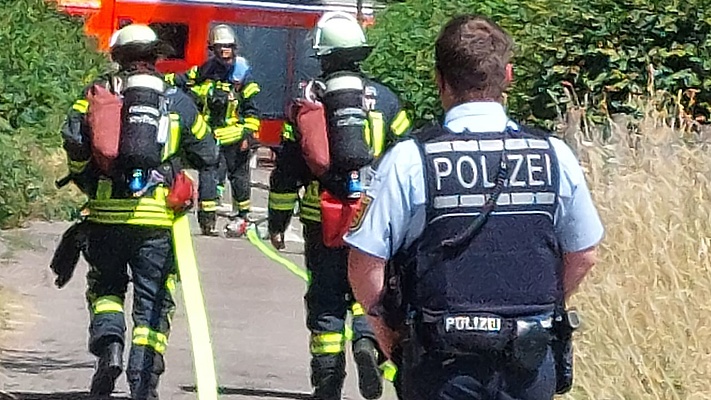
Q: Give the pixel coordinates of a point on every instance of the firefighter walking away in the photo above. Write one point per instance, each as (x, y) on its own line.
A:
(225, 92)
(125, 140)
(336, 130)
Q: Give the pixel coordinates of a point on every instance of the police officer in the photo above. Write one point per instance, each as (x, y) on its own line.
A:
(489, 227)
(328, 298)
(124, 229)
(227, 101)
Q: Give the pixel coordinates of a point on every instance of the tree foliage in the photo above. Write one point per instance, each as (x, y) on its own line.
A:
(602, 50)
(45, 62)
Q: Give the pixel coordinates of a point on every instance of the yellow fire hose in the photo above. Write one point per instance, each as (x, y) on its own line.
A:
(204, 361)
(389, 369)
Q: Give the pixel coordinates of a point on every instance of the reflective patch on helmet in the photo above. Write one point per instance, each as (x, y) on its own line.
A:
(358, 219)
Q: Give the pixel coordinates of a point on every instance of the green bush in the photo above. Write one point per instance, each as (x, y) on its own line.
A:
(601, 49)
(45, 62)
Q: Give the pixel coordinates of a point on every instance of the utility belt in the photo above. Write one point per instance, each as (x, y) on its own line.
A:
(524, 341)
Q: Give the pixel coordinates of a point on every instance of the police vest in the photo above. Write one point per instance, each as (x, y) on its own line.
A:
(513, 266)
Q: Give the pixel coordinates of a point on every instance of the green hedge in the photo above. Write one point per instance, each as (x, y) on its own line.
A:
(601, 48)
(45, 62)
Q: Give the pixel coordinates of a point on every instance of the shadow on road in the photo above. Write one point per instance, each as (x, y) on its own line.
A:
(275, 394)
(36, 362)
(77, 395)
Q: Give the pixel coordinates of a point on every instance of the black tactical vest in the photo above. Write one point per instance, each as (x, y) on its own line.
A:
(513, 266)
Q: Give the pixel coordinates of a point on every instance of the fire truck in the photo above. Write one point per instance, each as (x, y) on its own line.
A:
(274, 37)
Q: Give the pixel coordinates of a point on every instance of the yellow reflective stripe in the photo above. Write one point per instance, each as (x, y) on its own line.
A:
(282, 201)
(199, 128)
(310, 214)
(81, 106)
(107, 304)
(76, 167)
(250, 90)
(287, 132)
(104, 189)
(208, 205)
(170, 78)
(252, 123)
(192, 73)
(229, 134)
(327, 343)
(170, 284)
(401, 123)
(357, 310)
(378, 132)
(171, 147)
(389, 370)
(242, 205)
(203, 89)
(144, 336)
(231, 111)
(141, 211)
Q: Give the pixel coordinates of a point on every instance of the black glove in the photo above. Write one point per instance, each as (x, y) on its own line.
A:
(66, 256)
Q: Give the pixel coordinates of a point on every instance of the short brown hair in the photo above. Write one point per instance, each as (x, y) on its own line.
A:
(471, 55)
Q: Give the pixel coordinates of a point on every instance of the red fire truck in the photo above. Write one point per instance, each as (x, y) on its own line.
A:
(274, 37)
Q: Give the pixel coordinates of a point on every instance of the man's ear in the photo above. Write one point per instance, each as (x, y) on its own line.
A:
(509, 73)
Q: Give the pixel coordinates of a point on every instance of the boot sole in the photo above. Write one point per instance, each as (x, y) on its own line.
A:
(369, 383)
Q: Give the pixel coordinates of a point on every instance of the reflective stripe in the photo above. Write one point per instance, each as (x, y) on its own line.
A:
(287, 132)
(229, 134)
(192, 73)
(208, 205)
(147, 337)
(250, 90)
(107, 305)
(81, 106)
(357, 310)
(242, 205)
(171, 284)
(378, 132)
(231, 113)
(252, 123)
(141, 211)
(282, 201)
(104, 189)
(309, 214)
(171, 147)
(389, 370)
(401, 123)
(203, 89)
(327, 343)
(199, 128)
(76, 167)
(170, 78)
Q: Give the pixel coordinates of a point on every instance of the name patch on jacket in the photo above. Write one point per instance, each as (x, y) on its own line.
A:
(464, 171)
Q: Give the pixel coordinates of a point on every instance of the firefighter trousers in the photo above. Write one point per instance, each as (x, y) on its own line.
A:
(328, 300)
(148, 252)
(234, 164)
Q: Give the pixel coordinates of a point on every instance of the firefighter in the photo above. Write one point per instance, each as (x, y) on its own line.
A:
(328, 298)
(489, 227)
(229, 107)
(130, 215)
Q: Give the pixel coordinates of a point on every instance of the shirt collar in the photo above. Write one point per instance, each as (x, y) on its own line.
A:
(477, 116)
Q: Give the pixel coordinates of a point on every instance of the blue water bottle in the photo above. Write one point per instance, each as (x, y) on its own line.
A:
(137, 180)
(354, 186)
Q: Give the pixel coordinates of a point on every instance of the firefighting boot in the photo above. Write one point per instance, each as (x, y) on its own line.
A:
(108, 368)
(143, 382)
(328, 372)
(370, 381)
(207, 221)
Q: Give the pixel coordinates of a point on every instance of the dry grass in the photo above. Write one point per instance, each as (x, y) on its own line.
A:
(647, 304)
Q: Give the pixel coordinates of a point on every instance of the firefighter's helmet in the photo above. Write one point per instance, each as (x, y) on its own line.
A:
(338, 30)
(222, 35)
(133, 34)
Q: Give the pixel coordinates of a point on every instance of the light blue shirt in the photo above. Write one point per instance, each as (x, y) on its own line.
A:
(396, 214)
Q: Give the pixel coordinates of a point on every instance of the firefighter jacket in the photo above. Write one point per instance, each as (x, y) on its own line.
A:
(387, 122)
(190, 139)
(228, 107)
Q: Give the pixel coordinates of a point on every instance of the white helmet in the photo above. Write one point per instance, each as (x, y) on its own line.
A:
(338, 30)
(222, 34)
(133, 34)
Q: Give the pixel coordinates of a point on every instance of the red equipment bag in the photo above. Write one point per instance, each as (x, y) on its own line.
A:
(336, 218)
(104, 119)
(181, 195)
(311, 119)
